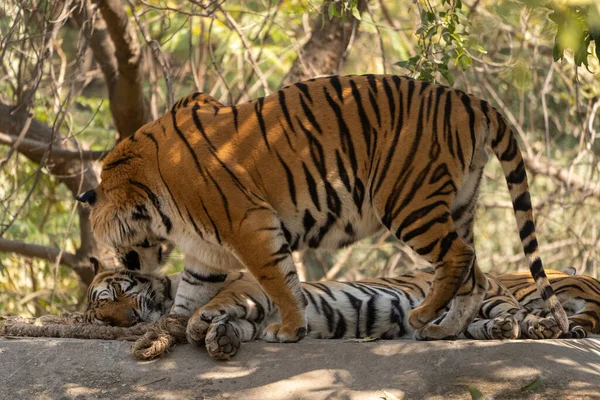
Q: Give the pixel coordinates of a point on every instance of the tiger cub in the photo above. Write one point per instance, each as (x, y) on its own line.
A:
(318, 164)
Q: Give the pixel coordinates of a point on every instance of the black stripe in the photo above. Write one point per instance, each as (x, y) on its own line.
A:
(364, 119)
(315, 241)
(518, 175)
(526, 230)
(118, 162)
(328, 313)
(234, 112)
(212, 222)
(153, 139)
(196, 229)
(342, 171)
(290, 179)
(304, 90)
(390, 100)
(345, 136)
(523, 202)
(390, 154)
(223, 198)
(284, 108)
(156, 203)
(335, 82)
(310, 116)
(467, 103)
(340, 327)
(187, 144)
(261, 122)
(511, 151)
(371, 314)
(357, 305)
(308, 221)
(312, 187)
(447, 242)
(210, 278)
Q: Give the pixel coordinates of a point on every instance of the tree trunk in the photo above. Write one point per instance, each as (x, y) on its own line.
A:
(324, 52)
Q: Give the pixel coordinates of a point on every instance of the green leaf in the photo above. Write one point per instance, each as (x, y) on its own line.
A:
(356, 13)
(533, 385)
(476, 394)
(480, 48)
(557, 52)
(447, 76)
(331, 10)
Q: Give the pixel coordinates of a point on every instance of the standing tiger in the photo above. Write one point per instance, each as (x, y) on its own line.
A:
(318, 164)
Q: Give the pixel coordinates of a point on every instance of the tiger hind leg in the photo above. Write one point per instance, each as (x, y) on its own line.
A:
(463, 309)
(431, 233)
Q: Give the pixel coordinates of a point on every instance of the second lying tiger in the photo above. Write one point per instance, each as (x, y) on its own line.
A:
(375, 308)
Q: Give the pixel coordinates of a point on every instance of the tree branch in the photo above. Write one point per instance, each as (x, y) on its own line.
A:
(116, 49)
(324, 51)
(563, 176)
(48, 253)
(38, 149)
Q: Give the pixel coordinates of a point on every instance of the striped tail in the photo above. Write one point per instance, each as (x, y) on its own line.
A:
(506, 148)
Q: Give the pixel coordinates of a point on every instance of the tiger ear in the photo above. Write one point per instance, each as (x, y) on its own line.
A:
(97, 265)
(88, 197)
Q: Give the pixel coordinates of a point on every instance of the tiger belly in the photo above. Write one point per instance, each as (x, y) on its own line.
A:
(320, 229)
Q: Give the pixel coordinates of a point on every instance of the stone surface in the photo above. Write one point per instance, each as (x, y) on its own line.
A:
(311, 369)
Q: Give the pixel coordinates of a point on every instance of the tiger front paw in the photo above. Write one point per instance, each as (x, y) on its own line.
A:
(505, 328)
(222, 341)
(280, 333)
(543, 328)
(199, 324)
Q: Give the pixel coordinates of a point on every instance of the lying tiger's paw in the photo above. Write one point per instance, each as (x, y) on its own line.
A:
(543, 328)
(200, 322)
(222, 342)
(505, 328)
(279, 333)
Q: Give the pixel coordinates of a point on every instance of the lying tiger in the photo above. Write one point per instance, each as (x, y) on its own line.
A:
(376, 308)
(318, 164)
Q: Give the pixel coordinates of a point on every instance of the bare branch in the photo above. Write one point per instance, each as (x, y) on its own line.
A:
(324, 51)
(48, 253)
(116, 49)
(38, 149)
(563, 176)
(159, 56)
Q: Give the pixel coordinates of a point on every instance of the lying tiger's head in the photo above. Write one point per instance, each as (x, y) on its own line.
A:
(122, 297)
(129, 211)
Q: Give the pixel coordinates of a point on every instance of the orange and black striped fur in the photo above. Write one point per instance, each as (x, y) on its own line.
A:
(376, 308)
(318, 164)
(579, 296)
(124, 297)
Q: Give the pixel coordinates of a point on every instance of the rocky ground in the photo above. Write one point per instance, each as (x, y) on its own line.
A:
(311, 369)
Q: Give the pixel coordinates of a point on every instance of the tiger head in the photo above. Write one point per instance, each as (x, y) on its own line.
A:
(129, 212)
(122, 297)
